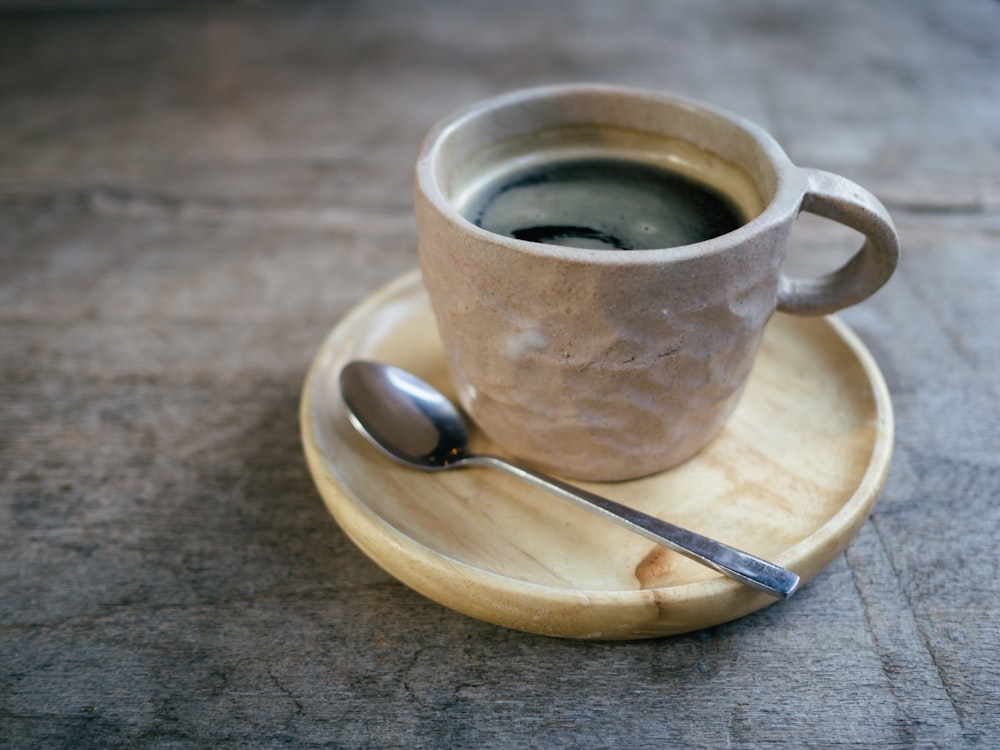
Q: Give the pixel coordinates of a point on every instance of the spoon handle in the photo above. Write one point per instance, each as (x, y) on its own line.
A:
(742, 566)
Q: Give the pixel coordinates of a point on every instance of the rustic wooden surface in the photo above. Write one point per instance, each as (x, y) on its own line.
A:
(192, 195)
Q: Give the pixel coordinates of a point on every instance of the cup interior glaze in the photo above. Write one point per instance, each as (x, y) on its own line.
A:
(727, 152)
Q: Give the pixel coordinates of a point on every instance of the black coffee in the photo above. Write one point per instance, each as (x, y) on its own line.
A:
(603, 203)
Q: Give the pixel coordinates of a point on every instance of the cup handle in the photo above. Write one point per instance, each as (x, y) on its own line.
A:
(841, 200)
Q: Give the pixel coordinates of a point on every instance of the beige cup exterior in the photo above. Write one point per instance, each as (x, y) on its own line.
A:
(610, 365)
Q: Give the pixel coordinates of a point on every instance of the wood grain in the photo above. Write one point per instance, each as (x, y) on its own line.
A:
(191, 195)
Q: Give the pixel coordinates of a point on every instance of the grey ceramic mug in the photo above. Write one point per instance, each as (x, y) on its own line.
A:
(610, 365)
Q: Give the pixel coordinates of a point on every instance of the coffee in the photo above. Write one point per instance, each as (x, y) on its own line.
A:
(602, 203)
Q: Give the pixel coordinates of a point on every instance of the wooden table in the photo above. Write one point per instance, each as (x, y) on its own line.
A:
(192, 196)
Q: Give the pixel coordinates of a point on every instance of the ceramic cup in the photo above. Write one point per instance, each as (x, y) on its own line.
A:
(613, 364)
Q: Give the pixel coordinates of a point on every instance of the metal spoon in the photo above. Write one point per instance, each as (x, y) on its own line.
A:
(413, 423)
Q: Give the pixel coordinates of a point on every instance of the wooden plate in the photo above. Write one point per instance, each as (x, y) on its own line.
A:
(791, 478)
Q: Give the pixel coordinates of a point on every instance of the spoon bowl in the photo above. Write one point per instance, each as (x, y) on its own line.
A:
(403, 416)
(413, 423)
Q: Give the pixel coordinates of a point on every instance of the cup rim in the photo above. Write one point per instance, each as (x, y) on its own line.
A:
(784, 203)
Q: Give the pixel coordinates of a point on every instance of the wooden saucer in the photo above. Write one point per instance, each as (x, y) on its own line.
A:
(791, 478)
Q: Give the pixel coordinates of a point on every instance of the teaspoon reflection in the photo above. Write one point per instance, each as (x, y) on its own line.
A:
(413, 423)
